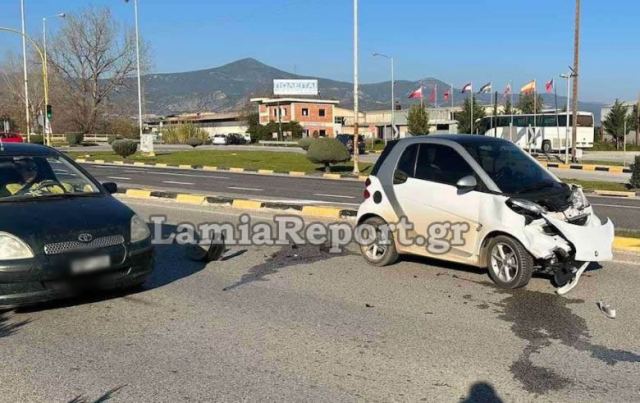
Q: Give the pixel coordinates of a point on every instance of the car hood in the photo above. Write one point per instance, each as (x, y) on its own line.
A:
(39, 222)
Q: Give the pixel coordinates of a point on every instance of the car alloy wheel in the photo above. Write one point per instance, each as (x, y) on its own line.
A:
(504, 262)
(510, 265)
(381, 252)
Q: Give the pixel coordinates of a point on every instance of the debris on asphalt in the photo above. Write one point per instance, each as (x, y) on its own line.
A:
(606, 309)
(368, 305)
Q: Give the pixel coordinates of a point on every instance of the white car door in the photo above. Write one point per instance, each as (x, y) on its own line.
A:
(447, 217)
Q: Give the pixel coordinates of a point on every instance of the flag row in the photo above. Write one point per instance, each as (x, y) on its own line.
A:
(528, 88)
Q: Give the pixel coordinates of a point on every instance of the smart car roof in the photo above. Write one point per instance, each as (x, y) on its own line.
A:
(456, 138)
(18, 149)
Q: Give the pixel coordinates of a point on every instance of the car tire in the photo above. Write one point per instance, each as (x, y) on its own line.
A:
(509, 264)
(546, 146)
(372, 253)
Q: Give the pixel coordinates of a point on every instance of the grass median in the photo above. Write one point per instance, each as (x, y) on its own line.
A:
(250, 160)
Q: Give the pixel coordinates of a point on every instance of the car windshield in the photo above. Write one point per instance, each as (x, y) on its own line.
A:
(512, 170)
(29, 177)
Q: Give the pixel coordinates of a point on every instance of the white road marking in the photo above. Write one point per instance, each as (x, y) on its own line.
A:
(617, 206)
(241, 188)
(101, 166)
(179, 183)
(632, 263)
(339, 196)
(190, 175)
(135, 171)
(122, 178)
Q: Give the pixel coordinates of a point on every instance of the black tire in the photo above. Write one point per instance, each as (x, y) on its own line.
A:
(390, 254)
(519, 263)
(546, 146)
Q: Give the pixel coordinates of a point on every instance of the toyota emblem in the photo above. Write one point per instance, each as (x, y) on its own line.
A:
(86, 238)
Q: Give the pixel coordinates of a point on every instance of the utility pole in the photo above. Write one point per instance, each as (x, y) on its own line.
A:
(356, 113)
(638, 121)
(576, 67)
(393, 98)
(26, 76)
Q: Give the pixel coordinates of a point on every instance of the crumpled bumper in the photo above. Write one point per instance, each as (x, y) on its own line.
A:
(592, 242)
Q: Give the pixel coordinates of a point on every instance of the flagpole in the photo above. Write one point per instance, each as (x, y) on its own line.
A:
(555, 96)
(535, 111)
(471, 92)
(511, 102)
(435, 95)
(451, 95)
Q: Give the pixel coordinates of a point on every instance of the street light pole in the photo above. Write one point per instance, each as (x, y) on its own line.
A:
(356, 97)
(576, 65)
(146, 144)
(566, 133)
(25, 72)
(393, 98)
(45, 114)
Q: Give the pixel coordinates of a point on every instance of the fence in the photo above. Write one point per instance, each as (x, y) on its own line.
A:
(90, 138)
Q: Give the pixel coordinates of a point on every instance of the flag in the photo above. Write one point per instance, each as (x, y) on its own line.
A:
(529, 87)
(507, 90)
(548, 86)
(446, 95)
(467, 88)
(485, 89)
(417, 94)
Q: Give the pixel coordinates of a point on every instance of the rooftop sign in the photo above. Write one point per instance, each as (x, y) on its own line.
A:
(295, 87)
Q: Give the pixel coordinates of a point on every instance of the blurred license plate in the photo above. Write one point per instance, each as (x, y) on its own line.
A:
(90, 264)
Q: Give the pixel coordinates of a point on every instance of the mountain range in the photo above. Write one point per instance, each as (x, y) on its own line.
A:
(230, 86)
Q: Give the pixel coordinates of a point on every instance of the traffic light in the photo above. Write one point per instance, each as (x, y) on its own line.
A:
(49, 112)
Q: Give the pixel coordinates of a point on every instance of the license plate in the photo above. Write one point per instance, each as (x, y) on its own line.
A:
(90, 264)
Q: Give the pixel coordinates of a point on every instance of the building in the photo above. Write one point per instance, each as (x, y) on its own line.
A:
(316, 116)
(377, 124)
(211, 122)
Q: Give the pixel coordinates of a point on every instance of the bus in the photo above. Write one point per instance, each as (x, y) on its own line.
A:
(544, 132)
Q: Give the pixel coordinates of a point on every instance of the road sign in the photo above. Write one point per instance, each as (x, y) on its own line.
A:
(295, 87)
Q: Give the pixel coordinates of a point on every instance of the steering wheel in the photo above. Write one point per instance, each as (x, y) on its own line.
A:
(40, 185)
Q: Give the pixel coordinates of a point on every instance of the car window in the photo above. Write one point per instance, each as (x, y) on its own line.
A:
(441, 164)
(407, 162)
(509, 167)
(26, 177)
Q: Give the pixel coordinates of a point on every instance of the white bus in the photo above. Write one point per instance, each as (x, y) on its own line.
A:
(544, 132)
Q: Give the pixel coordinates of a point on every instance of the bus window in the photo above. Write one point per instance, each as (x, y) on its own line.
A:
(585, 121)
(520, 121)
(547, 121)
(504, 121)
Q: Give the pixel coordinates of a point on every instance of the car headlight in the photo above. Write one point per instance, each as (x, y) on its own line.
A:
(526, 207)
(12, 248)
(578, 199)
(139, 229)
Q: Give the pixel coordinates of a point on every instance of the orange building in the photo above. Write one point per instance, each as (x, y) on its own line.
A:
(316, 116)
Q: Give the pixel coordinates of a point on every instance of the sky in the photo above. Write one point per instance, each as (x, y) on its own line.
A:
(456, 41)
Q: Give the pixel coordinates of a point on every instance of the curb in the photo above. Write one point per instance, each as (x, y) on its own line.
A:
(620, 243)
(587, 167)
(245, 204)
(331, 176)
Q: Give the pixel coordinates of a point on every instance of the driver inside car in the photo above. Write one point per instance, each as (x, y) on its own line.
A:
(32, 179)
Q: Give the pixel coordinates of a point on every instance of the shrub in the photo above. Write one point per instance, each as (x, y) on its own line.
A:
(305, 143)
(195, 141)
(635, 173)
(112, 137)
(124, 148)
(327, 151)
(75, 139)
(37, 139)
(182, 133)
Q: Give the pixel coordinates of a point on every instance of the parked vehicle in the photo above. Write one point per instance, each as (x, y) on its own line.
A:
(347, 140)
(11, 138)
(219, 139)
(247, 138)
(61, 232)
(236, 138)
(481, 201)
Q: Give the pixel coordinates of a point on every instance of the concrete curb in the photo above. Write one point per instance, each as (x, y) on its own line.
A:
(620, 243)
(331, 176)
(587, 167)
(245, 204)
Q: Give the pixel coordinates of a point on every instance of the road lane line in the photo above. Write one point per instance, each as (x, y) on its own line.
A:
(241, 188)
(178, 183)
(190, 175)
(122, 178)
(329, 195)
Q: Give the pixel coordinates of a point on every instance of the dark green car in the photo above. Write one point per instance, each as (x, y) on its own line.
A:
(61, 232)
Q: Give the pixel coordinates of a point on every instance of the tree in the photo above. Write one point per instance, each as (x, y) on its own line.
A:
(614, 122)
(634, 123)
(96, 60)
(508, 108)
(463, 118)
(526, 103)
(635, 173)
(327, 151)
(418, 120)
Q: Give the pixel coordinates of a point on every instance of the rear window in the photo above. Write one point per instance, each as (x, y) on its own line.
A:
(383, 156)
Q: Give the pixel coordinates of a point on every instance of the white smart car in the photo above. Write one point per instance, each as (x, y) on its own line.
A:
(480, 201)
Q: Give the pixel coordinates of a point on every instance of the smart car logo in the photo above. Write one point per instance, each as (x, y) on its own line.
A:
(86, 238)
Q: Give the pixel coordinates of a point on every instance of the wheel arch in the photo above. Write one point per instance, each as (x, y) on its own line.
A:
(487, 239)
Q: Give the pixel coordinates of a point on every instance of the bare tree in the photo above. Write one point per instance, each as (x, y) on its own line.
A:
(12, 90)
(95, 59)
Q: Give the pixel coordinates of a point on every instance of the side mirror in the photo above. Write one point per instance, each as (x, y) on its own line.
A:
(467, 183)
(110, 187)
(399, 177)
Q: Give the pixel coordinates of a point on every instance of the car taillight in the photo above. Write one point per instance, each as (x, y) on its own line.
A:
(366, 193)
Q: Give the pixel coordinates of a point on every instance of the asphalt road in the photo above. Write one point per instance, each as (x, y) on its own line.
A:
(625, 213)
(304, 325)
